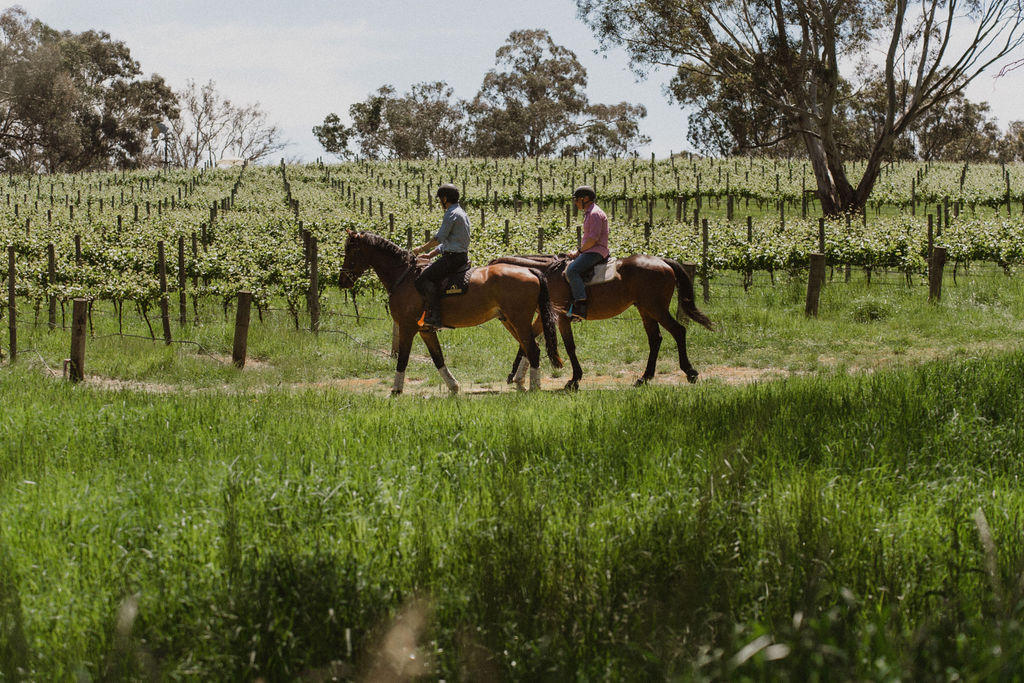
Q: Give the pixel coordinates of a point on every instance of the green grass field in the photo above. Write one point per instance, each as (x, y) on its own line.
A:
(859, 518)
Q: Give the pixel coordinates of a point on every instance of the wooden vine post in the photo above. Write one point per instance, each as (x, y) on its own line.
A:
(241, 342)
(51, 277)
(815, 279)
(79, 315)
(12, 309)
(165, 315)
(314, 285)
(936, 263)
(182, 303)
(704, 261)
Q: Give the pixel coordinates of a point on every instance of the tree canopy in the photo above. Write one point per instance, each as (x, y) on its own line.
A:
(785, 60)
(73, 101)
(533, 103)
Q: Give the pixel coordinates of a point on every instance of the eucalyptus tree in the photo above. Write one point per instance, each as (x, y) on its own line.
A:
(424, 122)
(791, 56)
(534, 103)
(73, 101)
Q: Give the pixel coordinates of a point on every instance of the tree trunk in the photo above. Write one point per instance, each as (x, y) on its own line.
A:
(835, 193)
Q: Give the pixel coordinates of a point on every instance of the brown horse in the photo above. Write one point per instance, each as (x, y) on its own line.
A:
(646, 282)
(508, 292)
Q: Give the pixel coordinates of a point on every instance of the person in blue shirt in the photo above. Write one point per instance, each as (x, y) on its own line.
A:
(452, 243)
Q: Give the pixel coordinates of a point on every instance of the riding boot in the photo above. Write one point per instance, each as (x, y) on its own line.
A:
(579, 309)
(431, 304)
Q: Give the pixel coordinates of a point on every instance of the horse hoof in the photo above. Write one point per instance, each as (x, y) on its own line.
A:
(396, 392)
(572, 385)
(641, 382)
(691, 376)
(511, 378)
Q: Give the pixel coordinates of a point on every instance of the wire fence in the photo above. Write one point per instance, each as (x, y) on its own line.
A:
(721, 286)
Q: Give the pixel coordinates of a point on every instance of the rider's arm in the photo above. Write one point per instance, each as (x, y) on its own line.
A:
(427, 246)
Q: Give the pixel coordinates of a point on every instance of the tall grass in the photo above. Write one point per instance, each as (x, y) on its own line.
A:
(830, 527)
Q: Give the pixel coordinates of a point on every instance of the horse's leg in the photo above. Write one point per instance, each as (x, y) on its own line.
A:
(678, 332)
(405, 337)
(429, 338)
(521, 364)
(524, 333)
(565, 329)
(515, 375)
(654, 343)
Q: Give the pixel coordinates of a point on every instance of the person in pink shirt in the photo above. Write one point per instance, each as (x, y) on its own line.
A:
(593, 248)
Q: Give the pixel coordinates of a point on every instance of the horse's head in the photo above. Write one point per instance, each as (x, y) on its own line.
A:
(357, 259)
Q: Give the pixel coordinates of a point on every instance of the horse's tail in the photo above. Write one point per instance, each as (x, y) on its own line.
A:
(684, 286)
(547, 318)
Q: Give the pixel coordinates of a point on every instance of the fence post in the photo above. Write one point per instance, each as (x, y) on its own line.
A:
(165, 316)
(182, 303)
(51, 276)
(935, 265)
(12, 309)
(540, 240)
(238, 349)
(815, 278)
(76, 371)
(314, 285)
(704, 260)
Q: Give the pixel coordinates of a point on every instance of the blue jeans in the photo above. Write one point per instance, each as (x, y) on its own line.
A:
(574, 273)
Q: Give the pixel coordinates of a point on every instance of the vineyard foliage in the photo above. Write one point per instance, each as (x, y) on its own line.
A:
(229, 230)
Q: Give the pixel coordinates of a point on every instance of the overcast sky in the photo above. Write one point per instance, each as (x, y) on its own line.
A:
(302, 59)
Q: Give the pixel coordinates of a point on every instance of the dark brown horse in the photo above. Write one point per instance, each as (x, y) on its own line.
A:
(508, 292)
(646, 282)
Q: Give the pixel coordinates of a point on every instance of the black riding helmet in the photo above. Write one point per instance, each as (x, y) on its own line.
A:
(449, 192)
(585, 191)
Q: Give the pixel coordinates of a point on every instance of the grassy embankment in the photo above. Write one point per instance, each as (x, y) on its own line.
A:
(852, 527)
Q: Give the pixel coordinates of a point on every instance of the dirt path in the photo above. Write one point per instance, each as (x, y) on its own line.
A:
(429, 385)
(424, 387)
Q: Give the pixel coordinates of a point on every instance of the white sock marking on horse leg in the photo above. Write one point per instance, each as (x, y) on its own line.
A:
(453, 385)
(396, 388)
(520, 376)
(534, 379)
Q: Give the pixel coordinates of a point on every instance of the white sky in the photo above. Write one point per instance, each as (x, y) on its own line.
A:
(302, 59)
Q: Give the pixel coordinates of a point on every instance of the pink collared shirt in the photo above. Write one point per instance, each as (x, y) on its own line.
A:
(595, 226)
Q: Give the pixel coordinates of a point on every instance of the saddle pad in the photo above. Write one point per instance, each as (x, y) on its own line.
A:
(457, 283)
(603, 272)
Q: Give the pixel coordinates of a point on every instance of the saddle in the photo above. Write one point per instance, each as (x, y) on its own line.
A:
(458, 282)
(603, 271)
(453, 285)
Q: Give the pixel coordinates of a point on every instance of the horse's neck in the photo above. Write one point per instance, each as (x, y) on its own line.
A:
(389, 268)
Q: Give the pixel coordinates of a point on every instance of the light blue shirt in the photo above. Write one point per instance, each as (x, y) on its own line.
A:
(453, 235)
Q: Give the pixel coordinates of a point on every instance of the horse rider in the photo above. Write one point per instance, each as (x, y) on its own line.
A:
(452, 242)
(593, 248)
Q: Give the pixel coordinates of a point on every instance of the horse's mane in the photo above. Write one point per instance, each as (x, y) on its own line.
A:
(384, 244)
